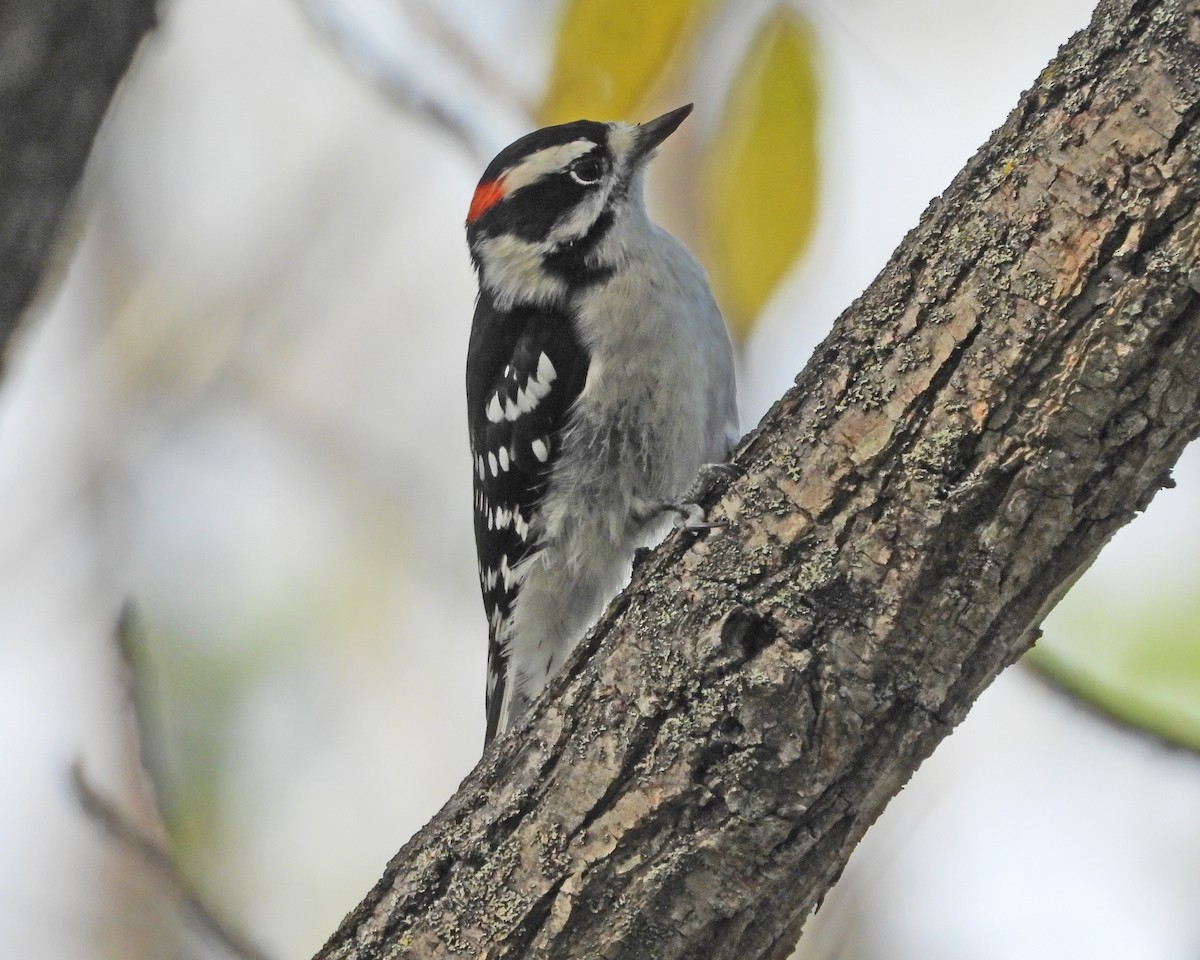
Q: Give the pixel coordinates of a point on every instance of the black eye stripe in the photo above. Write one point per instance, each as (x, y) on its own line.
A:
(531, 212)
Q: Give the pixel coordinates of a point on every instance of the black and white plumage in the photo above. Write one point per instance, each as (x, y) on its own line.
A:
(599, 380)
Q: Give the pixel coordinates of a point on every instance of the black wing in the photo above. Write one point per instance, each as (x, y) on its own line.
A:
(525, 368)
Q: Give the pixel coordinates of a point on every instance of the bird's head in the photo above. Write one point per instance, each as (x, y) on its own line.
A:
(547, 202)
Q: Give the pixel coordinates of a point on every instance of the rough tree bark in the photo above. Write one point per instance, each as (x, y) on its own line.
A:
(1014, 386)
(60, 62)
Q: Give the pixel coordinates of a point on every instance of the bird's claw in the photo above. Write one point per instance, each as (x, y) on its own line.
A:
(689, 514)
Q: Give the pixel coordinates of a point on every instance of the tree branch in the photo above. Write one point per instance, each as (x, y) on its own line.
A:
(1013, 387)
(365, 50)
(60, 62)
(156, 856)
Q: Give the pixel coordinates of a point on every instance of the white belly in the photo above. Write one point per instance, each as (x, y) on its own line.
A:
(658, 403)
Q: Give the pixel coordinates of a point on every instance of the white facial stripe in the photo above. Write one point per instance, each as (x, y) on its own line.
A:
(544, 162)
(580, 220)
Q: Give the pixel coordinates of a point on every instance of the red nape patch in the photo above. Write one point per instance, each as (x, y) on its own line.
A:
(487, 195)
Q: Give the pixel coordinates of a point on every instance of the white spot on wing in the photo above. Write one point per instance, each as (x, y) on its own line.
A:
(504, 459)
(530, 395)
(535, 390)
(495, 413)
(492, 464)
(540, 450)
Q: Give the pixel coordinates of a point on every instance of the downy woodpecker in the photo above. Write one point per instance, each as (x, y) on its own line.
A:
(599, 380)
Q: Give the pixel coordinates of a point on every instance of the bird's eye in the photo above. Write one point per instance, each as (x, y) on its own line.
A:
(586, 170)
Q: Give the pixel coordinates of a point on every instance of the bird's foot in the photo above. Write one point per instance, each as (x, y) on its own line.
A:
(689, 514)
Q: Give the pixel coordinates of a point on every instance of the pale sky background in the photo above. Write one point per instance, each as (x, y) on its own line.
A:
(241, 403)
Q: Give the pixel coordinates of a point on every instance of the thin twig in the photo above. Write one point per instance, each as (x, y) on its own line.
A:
(392, 79)
(439, 28)
(143, 734)
(1050, 679)
(123, 826)
(118, 826)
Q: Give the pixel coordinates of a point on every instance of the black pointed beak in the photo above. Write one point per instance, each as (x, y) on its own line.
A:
(653, 132)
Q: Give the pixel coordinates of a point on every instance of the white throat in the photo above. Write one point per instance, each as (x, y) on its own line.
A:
(512, 272)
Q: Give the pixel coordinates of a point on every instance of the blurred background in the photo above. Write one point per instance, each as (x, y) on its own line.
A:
(238, 404)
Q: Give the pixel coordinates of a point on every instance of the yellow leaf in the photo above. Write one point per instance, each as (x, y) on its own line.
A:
(610, 52)
(761, 177)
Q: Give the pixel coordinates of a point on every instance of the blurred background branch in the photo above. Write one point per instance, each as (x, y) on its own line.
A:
(406, 49)
(60, 63)
(155, 856)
